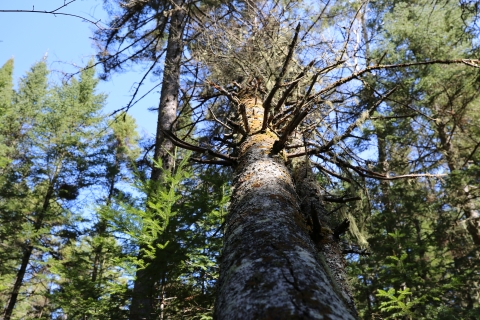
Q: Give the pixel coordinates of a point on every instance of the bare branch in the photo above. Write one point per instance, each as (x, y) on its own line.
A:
(322, 168)
(292, 86)
(278, 81)
(55, 12)
(228, 94)
(280, 144)
(341, 228)
(185, 145)
(340, 199)
(375, 175)
(352, 126)
(470, 62)
(237, 126)
(243, 112)
(218, 162)
(218, 121)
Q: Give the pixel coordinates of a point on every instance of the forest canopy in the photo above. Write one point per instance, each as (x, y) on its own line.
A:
(311, 160)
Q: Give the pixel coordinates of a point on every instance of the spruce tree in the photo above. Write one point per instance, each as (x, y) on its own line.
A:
(51, 131)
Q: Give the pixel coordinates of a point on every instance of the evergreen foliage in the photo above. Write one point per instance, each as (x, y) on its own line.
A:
(81, 217)
(421, 251)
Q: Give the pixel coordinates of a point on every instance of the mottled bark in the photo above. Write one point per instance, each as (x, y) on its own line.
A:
(270, 268)
(142, 306)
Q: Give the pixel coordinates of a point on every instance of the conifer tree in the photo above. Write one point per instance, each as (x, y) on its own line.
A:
(51, 132)
(420, 229)
(140, 41)
(255, 126)
(92, 273)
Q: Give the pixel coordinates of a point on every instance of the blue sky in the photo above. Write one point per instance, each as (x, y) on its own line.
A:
(27, 37)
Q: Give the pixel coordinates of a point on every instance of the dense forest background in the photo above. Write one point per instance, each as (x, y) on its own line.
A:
(94, 217)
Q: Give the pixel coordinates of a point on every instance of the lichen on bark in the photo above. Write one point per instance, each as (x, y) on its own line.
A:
(270, 268)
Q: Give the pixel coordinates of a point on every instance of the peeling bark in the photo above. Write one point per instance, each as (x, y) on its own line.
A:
(270, 268)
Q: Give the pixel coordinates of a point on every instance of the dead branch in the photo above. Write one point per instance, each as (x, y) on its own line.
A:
(292, 86)
(352, 126)
(185, 145)
(56, 12)
(217, 162)
(280, 144)
(278, 81)
(375, 175)
(342, 199)
(218, 121)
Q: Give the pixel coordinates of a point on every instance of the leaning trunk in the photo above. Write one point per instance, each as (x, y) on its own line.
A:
(270, 267)
(143, 299)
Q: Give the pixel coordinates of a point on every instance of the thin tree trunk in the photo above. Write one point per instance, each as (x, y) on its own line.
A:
(167, 111)
(26, 256)
(18, 282)
(142, 306)
(468, 205)
(270, 268)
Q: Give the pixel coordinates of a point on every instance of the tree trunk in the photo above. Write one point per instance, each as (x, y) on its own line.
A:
(468, 205)
(142, 306)
(18, 282)
(320, 228)
(270, 268)
(27, 253)
(167, 111)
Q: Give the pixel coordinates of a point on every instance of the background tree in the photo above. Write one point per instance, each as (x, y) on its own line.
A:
(136, 35)
(50, 132)
(422, 232)
(92, 272)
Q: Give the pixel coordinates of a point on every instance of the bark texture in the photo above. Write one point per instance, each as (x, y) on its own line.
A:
(167, 110)
(143, 302)
(321, 229)
(270, 268)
